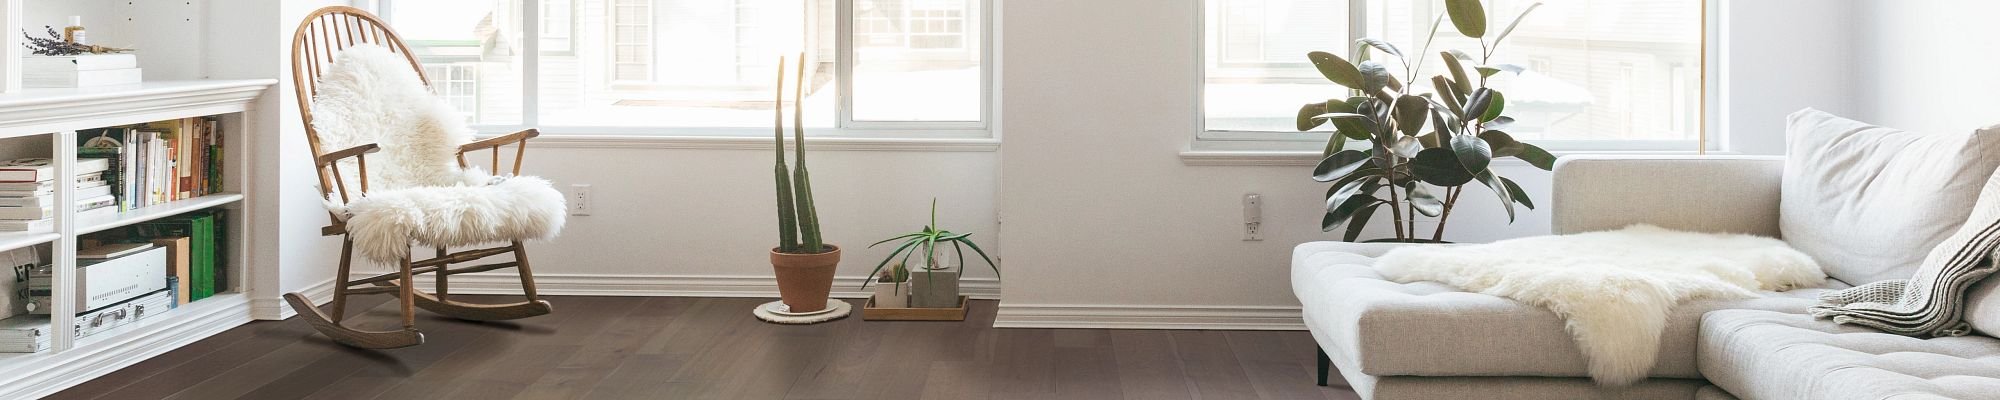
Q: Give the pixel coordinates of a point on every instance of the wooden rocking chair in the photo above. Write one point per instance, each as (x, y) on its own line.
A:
(324, 33)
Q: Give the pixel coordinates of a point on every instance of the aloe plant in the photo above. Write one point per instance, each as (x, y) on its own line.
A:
(927, 242)
(1423, 171)
(798, 220)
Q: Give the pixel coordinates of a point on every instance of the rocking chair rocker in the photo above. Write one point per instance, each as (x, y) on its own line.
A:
(323, 34)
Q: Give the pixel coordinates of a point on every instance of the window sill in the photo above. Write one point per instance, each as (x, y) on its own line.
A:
(560, 141)
(1311, 158)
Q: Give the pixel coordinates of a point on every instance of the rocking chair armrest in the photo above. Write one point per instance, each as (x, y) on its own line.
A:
(497, 141)
(337, 155)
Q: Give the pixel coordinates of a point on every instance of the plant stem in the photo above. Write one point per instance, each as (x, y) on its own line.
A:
(788, 233)
(1450, 199)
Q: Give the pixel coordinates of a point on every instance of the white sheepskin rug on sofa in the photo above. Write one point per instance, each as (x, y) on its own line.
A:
(1613, 289)
(417, 192)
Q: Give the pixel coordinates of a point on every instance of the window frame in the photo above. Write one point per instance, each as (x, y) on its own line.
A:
(1290, 144)
(845, 126)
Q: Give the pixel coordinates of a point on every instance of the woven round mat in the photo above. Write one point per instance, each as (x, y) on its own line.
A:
(838, 309)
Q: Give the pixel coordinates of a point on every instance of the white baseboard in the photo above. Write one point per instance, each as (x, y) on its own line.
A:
(274, 308)
(671, 285)
(1148, 317)
(43, 374)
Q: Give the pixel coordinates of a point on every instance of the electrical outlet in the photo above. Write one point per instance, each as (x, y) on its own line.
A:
(579, 199)
(1253, 217)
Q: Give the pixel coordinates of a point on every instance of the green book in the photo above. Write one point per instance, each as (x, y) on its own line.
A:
(205, 266)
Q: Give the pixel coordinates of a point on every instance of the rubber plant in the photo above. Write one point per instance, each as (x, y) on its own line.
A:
(1422, 148)
(927, 242)
(804, 263)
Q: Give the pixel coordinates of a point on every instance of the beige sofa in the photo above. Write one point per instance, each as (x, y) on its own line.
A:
(1429, 341)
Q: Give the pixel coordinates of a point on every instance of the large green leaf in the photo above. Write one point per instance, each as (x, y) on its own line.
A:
(1308, 116)
(1340, 164)
(1410, 113)
(1482, 99)
(1359, 222)
(1537, 157)
(1495, 105)
(1439, 166)
(1336, 69)
(1346, 209)
(1385, 47)
(1472, 152)
(1459, 83)
(1506, 198)
(1448, 95)
(1374, 77)
(1334, 144)
(1468, 16)
(1407, 146)
(1520, 196)
(1427, 204)
(1497, 123)
(1515, 24)
(1492, 69)
(1359, 187)
(1357, 129)
(1503, 145)
(1370, 172)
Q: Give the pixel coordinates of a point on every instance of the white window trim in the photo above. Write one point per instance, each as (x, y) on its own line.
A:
(848, 135)
(1256, 148)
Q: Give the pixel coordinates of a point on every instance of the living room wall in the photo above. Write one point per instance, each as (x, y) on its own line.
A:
(1926, 65)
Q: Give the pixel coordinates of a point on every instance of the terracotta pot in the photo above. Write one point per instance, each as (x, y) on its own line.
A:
(805, 280)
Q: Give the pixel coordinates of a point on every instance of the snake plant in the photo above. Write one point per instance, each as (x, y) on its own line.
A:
(798, 220)
(928, 241)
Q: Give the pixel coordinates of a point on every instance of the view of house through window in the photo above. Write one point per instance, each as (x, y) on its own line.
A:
(698, 63)
(1600, 70)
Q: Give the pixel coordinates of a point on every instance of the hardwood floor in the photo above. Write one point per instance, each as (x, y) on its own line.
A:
(711, 348)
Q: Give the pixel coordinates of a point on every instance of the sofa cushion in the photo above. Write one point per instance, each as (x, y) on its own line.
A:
(1982, 307)
(1429, 329)
(1869, 202)
(1772, 355)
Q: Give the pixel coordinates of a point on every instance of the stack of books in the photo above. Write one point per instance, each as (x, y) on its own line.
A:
(27, 191)
(79, 70)
(158, 162)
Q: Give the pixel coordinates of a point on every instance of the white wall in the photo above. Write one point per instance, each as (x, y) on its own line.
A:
(1927, 65)
(686, 221)
(1781, 56)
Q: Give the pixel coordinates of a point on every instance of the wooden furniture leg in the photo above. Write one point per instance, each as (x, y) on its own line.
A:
(331, 327)
(443, 285)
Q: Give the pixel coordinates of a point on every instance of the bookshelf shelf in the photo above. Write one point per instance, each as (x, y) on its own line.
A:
(94, 222)
(28, 112)
(15, 240)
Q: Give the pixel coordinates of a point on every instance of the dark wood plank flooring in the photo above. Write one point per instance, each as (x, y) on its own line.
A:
(711, 348)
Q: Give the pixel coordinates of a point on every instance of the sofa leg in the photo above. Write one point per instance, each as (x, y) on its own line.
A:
(1325, 364)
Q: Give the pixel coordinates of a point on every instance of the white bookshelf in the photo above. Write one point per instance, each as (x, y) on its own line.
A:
(202, 58)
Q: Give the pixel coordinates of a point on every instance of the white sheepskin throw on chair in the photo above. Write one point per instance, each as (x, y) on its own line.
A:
(1613, 289)
(417, 192)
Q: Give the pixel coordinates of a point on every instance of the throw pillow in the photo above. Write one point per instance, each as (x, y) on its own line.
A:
(1867, 201)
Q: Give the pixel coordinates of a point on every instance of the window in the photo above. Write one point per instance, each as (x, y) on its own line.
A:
(706, 67)
(1600, 75)
(457, 83)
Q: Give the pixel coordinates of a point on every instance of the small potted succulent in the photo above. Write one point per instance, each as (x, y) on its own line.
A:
(933, 279)
(892, 289)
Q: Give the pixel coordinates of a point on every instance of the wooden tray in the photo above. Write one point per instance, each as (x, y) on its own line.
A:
(872, 313)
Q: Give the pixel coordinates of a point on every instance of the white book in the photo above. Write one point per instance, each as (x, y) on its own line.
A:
(85, 62)
(44, 200)
(33, 213)
(31, 170)
(18, 225)
(73, 79)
